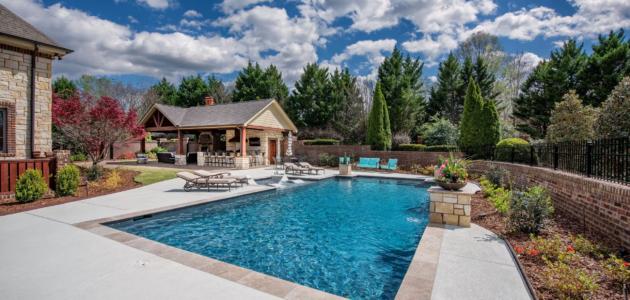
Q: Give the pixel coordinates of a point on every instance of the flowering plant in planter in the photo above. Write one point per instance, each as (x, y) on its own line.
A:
(451, 173)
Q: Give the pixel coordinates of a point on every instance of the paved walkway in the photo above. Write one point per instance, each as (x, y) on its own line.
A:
(43, 255)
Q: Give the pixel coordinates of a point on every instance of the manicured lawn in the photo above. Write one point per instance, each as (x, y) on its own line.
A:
(152, 176)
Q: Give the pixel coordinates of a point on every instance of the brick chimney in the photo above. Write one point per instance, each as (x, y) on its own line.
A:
(208, 100)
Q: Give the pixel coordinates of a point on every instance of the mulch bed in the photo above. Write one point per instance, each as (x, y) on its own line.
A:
(484, 214)
(11, 206)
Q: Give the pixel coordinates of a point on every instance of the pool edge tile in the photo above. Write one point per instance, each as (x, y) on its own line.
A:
(420, 277)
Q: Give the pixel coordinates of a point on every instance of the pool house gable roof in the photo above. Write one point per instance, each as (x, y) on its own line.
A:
(265, 113)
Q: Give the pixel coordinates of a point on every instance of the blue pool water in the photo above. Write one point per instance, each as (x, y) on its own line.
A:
(350, 237)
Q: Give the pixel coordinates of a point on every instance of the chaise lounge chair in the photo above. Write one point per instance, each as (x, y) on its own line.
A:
(311, 167)
(225, 175)
(196, 181)
(368, 162)
(295, 169)
(392, 164)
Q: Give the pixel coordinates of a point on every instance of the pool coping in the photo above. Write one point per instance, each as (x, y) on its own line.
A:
(417, 282)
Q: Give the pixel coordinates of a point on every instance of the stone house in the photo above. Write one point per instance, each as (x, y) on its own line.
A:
(26, 57)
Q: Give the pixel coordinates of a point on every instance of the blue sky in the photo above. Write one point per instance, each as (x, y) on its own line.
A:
(139, 41)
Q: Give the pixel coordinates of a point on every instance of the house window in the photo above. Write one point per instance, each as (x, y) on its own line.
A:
(3, 130)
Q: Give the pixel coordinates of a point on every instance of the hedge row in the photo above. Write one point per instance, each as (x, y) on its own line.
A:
(321, 142)
(421, 147)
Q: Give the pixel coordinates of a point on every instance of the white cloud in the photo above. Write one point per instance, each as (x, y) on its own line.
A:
(192, 14)
(132, 20)
(530, 60)
(432, 48)
(373, 50)
(156, 4)
(232, 5)
(104, 47)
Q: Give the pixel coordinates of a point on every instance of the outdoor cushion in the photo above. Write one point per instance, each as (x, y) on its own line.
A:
(368, 162)
(392, 164)
(190, 177)
(204, 173)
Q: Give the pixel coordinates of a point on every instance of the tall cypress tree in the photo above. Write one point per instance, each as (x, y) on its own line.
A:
(379, 131)
(605, 68)
(445, 98)
(470, 127)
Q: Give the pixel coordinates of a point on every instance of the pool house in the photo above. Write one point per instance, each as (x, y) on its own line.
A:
(238, 135)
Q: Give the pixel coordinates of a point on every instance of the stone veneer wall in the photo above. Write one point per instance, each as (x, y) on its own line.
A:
(451, 207)
(15, 70)
(264, 141)
(604, 207)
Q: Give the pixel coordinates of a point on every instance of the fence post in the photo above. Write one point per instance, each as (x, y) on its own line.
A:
(555, 157)
(531, 155)
(589, 158)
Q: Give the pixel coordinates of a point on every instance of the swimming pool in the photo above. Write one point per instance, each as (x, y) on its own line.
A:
(350, 237)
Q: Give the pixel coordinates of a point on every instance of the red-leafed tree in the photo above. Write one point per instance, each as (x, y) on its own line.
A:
(94, 125)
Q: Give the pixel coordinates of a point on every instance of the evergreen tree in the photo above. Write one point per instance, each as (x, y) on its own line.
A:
(445, 98)
(491, 124)
(466, 74)
(470, 127)
(401, 85)
(216, 89)
(614, 120)
(311, 104)
(254, 83)
(571, 121)
(349, 117)
(191, 92)
(165, 91)
(546, 85)
(485, 79)
(608, 64)
(274, 85)
(378, 135)
(64, 87)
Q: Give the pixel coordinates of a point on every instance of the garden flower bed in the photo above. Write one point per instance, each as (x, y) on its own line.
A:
(107, 184)
(563, 261)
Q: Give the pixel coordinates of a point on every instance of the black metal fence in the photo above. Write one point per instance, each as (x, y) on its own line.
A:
(606, 159)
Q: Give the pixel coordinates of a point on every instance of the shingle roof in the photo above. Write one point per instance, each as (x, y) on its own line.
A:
(15, 26)
(214, 115)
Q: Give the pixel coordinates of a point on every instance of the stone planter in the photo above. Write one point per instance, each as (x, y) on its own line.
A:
(451, 186)
(345, 170)
(451, 207)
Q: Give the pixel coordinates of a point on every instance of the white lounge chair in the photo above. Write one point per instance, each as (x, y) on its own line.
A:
(311, 167)
(295, 169)
(225, 175)
(196, 181)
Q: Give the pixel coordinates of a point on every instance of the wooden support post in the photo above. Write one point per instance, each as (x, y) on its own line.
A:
(143, 145)
(180, 143)
(243, 141)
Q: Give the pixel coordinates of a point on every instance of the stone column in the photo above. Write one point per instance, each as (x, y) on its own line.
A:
(451, 207)
(62, 158)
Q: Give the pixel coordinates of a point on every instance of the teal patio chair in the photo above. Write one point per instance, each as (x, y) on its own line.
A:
(392, 164)
(368, 162)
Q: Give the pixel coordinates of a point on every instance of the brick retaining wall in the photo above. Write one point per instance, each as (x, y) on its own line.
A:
(603, 206)
(311, 153)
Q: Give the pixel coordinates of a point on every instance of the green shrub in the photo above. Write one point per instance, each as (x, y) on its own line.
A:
(158, 149)
(618, 270)
(498, 176)
(67, 180)
(78, 157)
(410, 147)
(520, 147)
(321, 142)
(439, 131)
(568, 282)
(326, 159)
(441, 148)
(93, 173)
(30, 186)
(530, 209)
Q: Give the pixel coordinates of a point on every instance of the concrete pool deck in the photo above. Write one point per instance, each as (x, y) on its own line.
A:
(44, 254)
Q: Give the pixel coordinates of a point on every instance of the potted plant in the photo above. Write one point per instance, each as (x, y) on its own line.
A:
(451, 173)
(345, 165)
